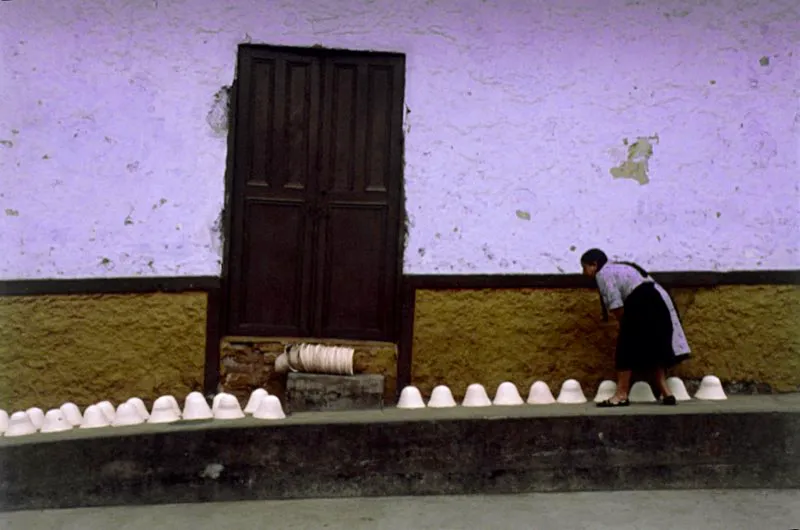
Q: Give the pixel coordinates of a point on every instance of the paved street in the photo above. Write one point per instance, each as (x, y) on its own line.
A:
(653, 510)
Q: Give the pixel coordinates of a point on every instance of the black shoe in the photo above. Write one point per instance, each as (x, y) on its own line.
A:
(669, 400)
(609, 404)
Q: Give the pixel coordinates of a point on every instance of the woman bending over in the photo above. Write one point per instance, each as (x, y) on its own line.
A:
(651, 337)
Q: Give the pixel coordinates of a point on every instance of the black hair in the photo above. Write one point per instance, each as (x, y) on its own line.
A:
(594, 255)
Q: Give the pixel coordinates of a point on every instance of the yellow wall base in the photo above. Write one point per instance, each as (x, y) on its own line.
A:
(739, 333)
(90, 348)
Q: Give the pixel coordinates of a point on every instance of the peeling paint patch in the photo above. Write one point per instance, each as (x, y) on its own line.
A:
(764, 61)
(6, 143)
(12, 213)
(217, 117)
(636, 166)
(522, 214)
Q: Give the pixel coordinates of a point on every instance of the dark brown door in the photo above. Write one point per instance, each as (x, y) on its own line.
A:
(317, 194)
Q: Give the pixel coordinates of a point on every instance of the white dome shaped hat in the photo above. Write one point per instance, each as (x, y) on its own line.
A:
(255, 400)
(540, 394)
(441, 397)
(605, 390)
(37, 417)
(476, 396)
(641, 392)
(228, 409)
(94, 418)
(269, 408)
(711, 389)
(55, 421)
(678, 389)
(217, 399)
(140, 407)
(507, 395)
(72, 413)
(126, 414)
(108, 409)
(571, 393)
(3, 421)
(410, 398)
(196, 408)
(163, 411)
(20, 424)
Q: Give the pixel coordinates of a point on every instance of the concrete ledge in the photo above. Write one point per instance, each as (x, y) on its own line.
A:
(752, 444)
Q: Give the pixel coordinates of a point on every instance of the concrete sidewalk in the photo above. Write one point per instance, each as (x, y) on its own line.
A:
(652, 510)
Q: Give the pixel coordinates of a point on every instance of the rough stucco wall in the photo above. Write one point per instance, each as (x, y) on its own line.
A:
(667, 131)
(89, 348)
(741, 334)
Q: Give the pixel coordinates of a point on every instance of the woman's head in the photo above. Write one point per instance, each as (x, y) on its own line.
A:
(592, 261)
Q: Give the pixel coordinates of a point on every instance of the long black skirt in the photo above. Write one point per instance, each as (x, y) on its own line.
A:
(645, 334)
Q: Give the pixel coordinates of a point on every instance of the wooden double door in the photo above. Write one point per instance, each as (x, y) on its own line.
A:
(317, 197)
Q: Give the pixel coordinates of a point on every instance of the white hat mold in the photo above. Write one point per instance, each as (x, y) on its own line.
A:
(126, 414)
(476, 396)
(94, 418)
(571, 393)
(507, 395)
(441, 398)
(540, 394)
(269, 408)
(255, 400)
(641, 393)
(37, 417)
(20, 424)
(678, 389)
(108, 409)
(72, 413)
(3, 421)
(195, 407)
(605, 390)
(140, 407)
(711, 389)
(410, 398)
(164, 411)
(55, 421)
(228, 408)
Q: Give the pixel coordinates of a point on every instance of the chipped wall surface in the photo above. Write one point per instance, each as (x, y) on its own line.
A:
(740, 334)
(89, 348)
(665, 131)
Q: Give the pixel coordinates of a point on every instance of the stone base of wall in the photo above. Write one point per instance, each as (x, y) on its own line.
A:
(247, 363)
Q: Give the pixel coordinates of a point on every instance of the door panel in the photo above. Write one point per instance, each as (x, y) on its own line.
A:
(276, 249)
(354, 271)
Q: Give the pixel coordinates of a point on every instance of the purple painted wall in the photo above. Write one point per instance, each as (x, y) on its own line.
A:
(113, 141)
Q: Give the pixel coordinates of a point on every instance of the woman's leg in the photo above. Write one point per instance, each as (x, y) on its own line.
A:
(623, 386)
(661, 382)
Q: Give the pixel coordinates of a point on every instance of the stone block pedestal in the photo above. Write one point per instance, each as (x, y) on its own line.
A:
(316, 392)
